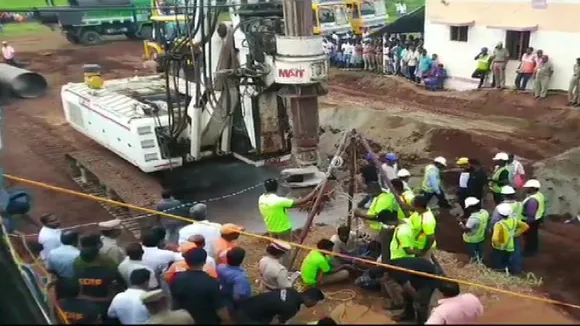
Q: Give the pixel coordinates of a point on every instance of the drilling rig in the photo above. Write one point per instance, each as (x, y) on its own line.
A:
(246, 87)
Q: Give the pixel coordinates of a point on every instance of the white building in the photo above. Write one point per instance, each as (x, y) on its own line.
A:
(457, 30)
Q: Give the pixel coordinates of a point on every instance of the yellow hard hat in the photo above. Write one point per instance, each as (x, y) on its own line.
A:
(462, 161)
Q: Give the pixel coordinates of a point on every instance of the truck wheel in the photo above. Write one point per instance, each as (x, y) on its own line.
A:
(89, 37)
(73, 39)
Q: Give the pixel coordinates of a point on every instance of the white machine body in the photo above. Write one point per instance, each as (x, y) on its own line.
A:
(120, 118)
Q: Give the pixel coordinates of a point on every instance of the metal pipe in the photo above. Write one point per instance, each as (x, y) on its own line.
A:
(320, 187)
(21, 82)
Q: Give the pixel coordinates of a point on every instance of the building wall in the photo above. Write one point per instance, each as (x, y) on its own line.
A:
(557, 33)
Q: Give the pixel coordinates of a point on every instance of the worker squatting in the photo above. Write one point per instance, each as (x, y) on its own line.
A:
(181, 273)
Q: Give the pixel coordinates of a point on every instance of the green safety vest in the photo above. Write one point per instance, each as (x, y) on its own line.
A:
(539, 197)
(376, 225)
(479, 235)
(425, 185)
(395, 246)
(483, 62)
(517, 209)
(509, 224)
(495, 177)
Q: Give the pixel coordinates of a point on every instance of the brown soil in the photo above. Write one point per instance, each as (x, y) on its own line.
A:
(36, 138)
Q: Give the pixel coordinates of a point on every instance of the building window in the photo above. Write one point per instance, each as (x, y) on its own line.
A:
(458, 33)
(516, 43)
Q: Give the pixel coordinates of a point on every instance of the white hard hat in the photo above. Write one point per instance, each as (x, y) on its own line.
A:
(507, 190)
(403, 173)
(532, 183)
(470, 201)
(501, 157)
(441, 160)
(504, 209)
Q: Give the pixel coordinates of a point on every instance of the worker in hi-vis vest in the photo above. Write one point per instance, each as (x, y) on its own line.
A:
(382, 201)
(404, 175)
(533, 210)
(504, 241)
(508, 194)
(431, 185)
(500, 176)
(474, 228)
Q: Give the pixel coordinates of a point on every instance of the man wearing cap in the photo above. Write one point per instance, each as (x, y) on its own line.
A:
(61, 259)
(475, 228)
(404, 175)
(110, 232)
(390, 167)
(198, 293)
(500, 58)
(274, 275)
(504, 240)
(500, 176)
(274, 210)
(209, 230)
(431, 185)
(463, 164)
(229, 234)
(508, 194)
(157, 304)
(534, 208)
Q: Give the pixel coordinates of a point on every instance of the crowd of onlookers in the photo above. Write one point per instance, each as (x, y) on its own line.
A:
(14, 17)
(390, 55)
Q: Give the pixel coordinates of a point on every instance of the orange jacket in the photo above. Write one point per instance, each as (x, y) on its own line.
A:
(181, 266)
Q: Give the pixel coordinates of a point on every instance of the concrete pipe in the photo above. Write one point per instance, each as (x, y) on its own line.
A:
(21, 82)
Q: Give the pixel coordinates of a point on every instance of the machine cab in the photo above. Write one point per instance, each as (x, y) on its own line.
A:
(165, 28)
(365, 14)
(330, 17)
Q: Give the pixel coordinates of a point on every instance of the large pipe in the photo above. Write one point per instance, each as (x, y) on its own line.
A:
(21, 82)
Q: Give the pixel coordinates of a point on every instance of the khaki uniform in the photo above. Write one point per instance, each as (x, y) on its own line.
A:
(112, 250)
(543, 77)
(574, 88)
(500, 58)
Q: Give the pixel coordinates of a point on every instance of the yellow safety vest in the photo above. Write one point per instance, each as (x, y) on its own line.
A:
(509, 225)
(483, 62)
(407, 197)
(493, 186)
(425, 185)
(395, 246)
(479, 235)
(539, 197)
(517, 209)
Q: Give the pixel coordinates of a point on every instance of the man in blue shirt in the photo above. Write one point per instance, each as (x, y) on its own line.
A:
(61, 260)
(431, 185)
(234, 281)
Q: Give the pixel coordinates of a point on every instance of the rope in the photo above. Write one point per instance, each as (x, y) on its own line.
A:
(347, 295)
(21, 264)
(295, 245)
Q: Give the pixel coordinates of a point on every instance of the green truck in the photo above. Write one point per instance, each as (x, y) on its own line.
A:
(88, 27)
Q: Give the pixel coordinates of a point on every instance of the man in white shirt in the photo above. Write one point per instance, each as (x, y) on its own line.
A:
(516, 172)
(127, 306)
(157, 259)
(390, 166)
(134, 261)
(8, 54)
(210, 231)
(49, 235)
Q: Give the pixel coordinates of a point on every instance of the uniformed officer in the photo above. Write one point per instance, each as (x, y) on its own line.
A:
(110, 232)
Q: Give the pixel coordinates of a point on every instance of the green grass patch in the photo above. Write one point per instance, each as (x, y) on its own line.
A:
(23, 29)
(411, 5)
(26, 4)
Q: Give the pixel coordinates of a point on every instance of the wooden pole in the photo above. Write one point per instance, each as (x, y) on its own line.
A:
(352, 185)
(318, 199)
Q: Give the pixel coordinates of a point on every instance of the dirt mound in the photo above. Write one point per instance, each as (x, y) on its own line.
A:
(560, 182)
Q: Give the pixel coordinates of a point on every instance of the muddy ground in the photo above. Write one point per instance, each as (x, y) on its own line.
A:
(393, 113)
